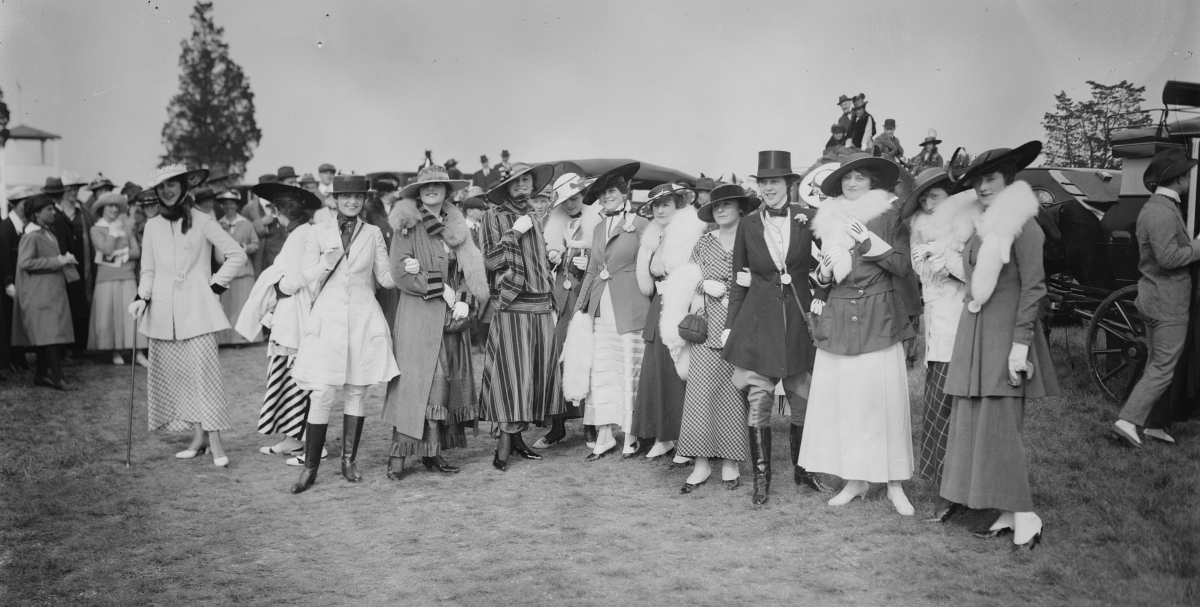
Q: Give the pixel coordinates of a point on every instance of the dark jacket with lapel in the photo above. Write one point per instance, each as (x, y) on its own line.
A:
(618, 252)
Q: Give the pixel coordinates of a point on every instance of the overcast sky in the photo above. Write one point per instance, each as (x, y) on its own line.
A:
(700, 86)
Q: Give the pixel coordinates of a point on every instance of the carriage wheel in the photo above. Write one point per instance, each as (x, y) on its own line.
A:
(1116, 344)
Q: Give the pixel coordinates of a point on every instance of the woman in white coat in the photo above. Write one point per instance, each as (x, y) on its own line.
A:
(179, 297)
(345, 343)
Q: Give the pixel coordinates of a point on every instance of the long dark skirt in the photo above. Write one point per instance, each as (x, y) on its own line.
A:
(658, 408)
(937, 419)
(985, 464)
(451, 403)
(519, 369)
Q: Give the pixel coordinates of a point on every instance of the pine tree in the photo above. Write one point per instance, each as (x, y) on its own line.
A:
(1077, 132)
(210, 122)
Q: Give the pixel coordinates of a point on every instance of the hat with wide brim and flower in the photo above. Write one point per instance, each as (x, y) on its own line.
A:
(991, 160)
(623, 173)
(568, 185)
(433, 174)
(277, 192)
(887, 171)
(935, 177)
(542, 174)
(188, 178)
(683, 196)
(727, 193)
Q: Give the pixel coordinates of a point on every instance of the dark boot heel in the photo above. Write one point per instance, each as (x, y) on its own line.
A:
(314, 442)
(760, 462)
(395, 468)
(352, 426)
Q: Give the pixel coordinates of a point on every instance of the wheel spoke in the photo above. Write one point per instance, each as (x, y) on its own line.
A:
(1107, 376)
(1096, 353)
(1115, 330)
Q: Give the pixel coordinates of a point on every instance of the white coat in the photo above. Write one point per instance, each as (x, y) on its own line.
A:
(345, 339)
(291, 313)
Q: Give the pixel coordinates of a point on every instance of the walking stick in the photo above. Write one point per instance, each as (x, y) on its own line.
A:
(132, 389)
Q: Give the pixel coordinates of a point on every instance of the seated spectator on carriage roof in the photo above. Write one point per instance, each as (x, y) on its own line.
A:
(1166, 251)
(887, 145)
(837, 139)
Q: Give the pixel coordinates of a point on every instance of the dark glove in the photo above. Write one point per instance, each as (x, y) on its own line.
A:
(218, 289)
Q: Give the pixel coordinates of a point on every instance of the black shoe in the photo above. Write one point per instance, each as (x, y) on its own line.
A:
(395, 468)
(519, 447)
(760, 462)
(314, 442)
(432, 463)
(733, 484)
(689, 487)
(802, 477)
(352, 426)
(994, 533)
(498, 463)
(1031, 544)
(945, 515)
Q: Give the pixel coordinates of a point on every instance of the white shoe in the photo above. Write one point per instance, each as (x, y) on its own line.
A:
(899, 500)
(852, 490)
(299, 459)
(1158, 434)
(660, 448)
(118, 360)
(190, 453)
(142, 360)
(221, 462)
(287, 446)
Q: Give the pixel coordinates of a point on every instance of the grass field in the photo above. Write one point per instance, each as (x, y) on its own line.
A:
(79, 528)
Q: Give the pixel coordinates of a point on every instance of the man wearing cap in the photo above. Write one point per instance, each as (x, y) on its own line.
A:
(483, 177)
(1164, 291)
(11, 229)
(72, 228)
(837, 140)
(887, 145)
(326, 172)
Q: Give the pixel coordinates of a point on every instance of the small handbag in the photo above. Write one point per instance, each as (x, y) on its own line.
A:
(694, 327)
(452, 325)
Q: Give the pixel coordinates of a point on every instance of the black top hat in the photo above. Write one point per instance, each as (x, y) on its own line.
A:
(1166, 166)
(990, 160)
(683, 196)
(705, 184)
(727, 193)
(286, 172)
(929, 178)
(889, 172)
(889, 123)
(775, 163)
(843, 99)
(350, 184)
(623, 173)
(542, 174)
(278, 192)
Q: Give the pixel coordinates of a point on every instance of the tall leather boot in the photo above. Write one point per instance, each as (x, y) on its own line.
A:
(314, 442)
(760, 462)
(351, 431)
(800, 475)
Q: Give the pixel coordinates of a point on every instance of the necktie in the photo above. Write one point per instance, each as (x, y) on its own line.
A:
(780, 212)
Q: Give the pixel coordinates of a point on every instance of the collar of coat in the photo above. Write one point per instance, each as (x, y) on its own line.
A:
(830, 222)
(455, 233)
(953, 221)
(555, 230)
(997, 228)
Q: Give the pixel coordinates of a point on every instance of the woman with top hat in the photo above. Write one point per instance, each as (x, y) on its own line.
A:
(117, 255)
(442, 283)
(568, 230)
(602, 355)
(939, 227)
(857, 426)
(714, 411)
(519, 364)
(666, 245)
(42, 316)
(766, 337)
(178, 295)
(1001, 357)
(285, 404)
(242, 232)
(345, 342)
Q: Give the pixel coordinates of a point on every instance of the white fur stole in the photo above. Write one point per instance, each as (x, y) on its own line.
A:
(830, 225)
(678, 290)
(998, 226)
(577, 358)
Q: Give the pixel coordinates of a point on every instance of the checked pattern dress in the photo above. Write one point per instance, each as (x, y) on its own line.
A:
(936, 425)
(184, 385)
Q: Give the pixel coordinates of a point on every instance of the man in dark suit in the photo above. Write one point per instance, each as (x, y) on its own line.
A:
(503, 168)
(10, 238)
(484, 178)
(766, 336)
(72, 228)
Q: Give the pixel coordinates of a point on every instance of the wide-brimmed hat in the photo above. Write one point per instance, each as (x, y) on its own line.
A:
(350, 184)
(929, 178)
(111, 198)
(542, 174)
(100, 182)
(859, 100)
(931, 138)
(843, 99)
(434, 173)
(277, 192)
(987, 162)
(705, 184)
(888, 171)
(326, 167)
(71, 180)
(726, 193)
(384, 183)
(623, 173)
(54, 185)
(179, 172)
(286, 172)
(1167, 165)
(774, 163)
(568, 185)
(204, 194)
(683, 195)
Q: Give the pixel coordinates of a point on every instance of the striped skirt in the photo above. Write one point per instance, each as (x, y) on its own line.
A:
(285, 405)
(616, 369)
(184, 385)
(937, 419)
(519, 368)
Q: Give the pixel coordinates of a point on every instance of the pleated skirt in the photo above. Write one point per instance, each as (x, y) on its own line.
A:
(184, 385)
(519, 368)
(985, 465)
(936, 423)
(111, 327)
(285, 405)
(714, 412)
(857, 425)
(232, 300)
(658, 408)
(616, 368)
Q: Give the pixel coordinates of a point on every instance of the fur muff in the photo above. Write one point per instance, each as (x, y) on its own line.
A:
(998, 226)
(678, 291)
(948, 227)
(556, 228)
(830, 225)
(578, 349)
(457, 235)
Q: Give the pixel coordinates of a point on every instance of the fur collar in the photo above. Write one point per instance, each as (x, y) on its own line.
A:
(830, 222)
(952, 222)
(1000, 225)
(456, 234)
(678, 239)
(556, 228)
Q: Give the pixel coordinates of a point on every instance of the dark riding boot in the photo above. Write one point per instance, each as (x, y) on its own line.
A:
(314, 442)
(760, 462)
(352, 426)
(800, 475)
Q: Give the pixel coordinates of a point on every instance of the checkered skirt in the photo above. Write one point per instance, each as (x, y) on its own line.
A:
(185, 385)
(714, 412)
(937, 420)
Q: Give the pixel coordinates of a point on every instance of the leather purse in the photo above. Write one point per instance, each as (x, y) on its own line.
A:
(694, 327)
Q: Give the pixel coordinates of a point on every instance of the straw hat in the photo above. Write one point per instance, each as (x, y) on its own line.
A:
(568, 185)
(684, 196)
(434, 173)
(111, 198)
(179, 172)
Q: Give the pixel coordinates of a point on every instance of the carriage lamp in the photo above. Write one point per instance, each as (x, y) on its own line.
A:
(1044, 196)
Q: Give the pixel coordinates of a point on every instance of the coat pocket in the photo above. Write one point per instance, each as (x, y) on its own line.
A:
(313, 327)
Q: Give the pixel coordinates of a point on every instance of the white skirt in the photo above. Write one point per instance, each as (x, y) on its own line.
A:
(616, 367)
(858, 425)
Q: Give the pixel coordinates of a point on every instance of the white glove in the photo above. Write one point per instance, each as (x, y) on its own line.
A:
(936, 263)
(920, 252)
(137, 308)
(449, 296)
(724, 337)
(460, 311)
(714, 288)
(581, 262)
(66, 259)
(11, 291)
(743, 279)
(412, 266)
(1018, 361)
(857, 230)
(817, 306)
(330, 258)
(522, 224)
(825, 268)
(554, 255)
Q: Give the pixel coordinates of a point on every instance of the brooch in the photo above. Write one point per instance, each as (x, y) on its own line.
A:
(801, 218)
